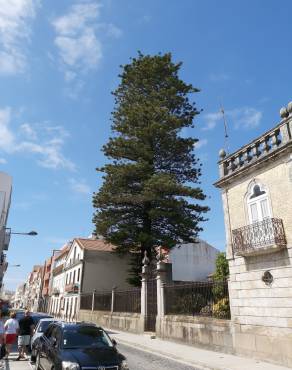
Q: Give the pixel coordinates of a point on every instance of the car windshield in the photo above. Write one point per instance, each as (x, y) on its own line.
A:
(85, 336)
(43, 325)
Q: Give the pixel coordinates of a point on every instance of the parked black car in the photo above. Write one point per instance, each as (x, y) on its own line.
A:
(73, 346)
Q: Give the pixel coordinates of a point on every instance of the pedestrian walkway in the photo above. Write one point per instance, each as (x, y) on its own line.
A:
(12, 364)
(189, 355)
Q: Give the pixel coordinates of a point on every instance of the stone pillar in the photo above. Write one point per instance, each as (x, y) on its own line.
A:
(145, 274)
(285, 133)
(161, 280)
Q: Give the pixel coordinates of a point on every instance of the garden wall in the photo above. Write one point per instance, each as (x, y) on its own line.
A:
(205, 332)
(132, 322)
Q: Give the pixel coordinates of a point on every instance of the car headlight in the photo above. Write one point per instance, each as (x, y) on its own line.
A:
(124, 365)
(68, 365)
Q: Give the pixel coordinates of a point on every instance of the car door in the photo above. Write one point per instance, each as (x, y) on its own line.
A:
(43, 350)
(53, 355)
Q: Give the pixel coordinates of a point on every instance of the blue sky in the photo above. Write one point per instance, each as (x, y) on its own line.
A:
(59, 61)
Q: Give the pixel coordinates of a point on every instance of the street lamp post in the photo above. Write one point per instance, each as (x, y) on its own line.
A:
(30, 233)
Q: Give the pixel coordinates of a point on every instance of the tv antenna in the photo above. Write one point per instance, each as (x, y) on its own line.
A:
(226, 136)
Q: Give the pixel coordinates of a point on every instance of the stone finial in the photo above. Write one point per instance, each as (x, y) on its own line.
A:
(222, 153)
(289, 108)
(146, 260)
(284, 112)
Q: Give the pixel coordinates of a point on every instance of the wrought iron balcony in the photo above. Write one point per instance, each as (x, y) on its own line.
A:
(260, 237)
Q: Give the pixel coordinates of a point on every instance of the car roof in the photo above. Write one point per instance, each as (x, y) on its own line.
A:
(48, 319)
(68, 325)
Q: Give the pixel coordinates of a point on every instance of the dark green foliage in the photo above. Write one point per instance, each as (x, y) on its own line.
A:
(150, 195)
(222, 268)
(221, 308)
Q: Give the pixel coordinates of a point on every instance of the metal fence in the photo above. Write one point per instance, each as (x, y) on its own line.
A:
(127, 300)
(86, 301)
(124, 301)
(198, 299)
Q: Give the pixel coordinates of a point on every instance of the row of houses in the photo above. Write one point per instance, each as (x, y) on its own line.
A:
(5, 200)
(85, 265)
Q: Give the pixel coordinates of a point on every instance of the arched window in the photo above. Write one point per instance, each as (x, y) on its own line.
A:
(258, 203)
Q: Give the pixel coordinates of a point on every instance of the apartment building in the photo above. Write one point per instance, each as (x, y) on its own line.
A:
(5, 200)
(58, 282)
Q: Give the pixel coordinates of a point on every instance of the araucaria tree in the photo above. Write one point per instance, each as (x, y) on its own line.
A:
(151, 195)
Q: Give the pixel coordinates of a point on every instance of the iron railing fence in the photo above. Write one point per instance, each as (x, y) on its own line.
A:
(198, 299)
(86, 301)
(127, 300)
(102, 301)
(259, 235)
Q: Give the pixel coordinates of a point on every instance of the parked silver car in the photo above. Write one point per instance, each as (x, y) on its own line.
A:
(38, 332)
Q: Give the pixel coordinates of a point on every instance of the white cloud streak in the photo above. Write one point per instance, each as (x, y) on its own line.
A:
(49, 148)
(16, 17)
(79, 186)
(199, 144)
(79, 42)
(76, 40)
(242, 118)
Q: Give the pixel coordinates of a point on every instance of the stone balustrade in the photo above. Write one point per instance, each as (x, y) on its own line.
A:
(259, 148)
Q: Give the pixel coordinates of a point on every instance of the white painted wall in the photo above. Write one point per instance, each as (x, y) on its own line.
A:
(193, 261)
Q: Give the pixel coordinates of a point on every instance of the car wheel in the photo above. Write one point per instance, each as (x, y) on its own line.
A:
(37, 363)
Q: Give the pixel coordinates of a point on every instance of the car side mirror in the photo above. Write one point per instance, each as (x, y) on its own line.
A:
(114, 342)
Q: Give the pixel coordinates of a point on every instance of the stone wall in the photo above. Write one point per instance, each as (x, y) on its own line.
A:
(262, 314)
(124, 321)
(202, 332)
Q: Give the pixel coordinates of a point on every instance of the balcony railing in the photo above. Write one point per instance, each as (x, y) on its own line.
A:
(57, 270)
(260, 237)
(72, 288)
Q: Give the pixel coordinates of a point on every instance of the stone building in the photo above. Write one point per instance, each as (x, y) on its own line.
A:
(256, 186)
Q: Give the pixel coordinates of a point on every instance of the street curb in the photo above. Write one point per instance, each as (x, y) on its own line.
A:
(198, 365)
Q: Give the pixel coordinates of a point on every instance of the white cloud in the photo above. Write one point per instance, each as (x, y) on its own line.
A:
(3, 161)
(15, 29)
(78, 41)
(199, 144)
(219, 77)
(241, 118)
(28, 131)
(211, 120)
(48, 150)
(79, 186)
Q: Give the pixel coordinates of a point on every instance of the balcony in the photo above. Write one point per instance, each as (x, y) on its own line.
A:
(56, 291)
(262, 237)
(57, 270)
(45, 291)
(5, 238)
(72, 288)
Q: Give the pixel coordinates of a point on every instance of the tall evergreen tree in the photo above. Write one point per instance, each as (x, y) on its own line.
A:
(151, 194)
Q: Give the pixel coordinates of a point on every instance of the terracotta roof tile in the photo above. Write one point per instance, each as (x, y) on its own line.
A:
(64, 250)
(95, 245)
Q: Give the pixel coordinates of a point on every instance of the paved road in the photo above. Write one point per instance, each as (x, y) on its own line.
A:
(140, 360)
(137, 360)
